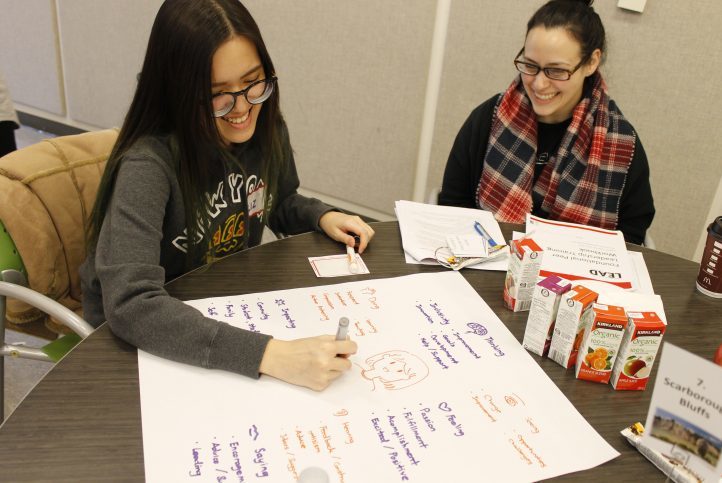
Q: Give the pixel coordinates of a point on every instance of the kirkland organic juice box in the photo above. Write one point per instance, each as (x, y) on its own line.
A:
(543, 312)
(524, 263)
(603, 331)
(637, 351)
(569, 326)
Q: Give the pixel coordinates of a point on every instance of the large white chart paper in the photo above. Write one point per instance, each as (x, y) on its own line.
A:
(440, 391)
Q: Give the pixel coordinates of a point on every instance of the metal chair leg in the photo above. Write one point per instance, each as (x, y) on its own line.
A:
(2, 359)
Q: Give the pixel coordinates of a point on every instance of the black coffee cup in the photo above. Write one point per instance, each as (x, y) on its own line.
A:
(709, 280)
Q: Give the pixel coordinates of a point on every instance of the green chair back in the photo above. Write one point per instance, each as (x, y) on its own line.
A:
(10, 259)
(9, 256)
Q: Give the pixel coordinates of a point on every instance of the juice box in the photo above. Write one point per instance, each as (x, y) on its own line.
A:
(543, 312)
(637, 351)
(569, 326)
(603, 331)
(521, 277)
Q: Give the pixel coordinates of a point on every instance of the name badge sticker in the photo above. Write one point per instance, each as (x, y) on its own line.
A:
(256, 201)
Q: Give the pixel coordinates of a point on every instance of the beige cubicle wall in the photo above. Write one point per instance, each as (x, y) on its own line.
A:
(359, 86)
(103, 43)
(30, 54)
(74, 61)
(353, 76)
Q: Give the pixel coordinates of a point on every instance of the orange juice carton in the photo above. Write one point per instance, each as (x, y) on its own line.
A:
(521, 277)
(543, 312)
(637, 351)
(569, 326)
(603, 331)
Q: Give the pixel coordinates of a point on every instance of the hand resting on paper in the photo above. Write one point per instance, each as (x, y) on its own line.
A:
(341, 227)
(313, 362)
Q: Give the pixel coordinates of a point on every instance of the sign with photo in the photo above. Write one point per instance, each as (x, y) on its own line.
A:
(685, 415)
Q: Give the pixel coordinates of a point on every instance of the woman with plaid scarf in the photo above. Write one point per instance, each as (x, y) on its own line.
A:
(554, 144)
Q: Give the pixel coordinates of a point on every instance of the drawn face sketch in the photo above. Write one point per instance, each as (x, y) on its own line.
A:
(395, 369)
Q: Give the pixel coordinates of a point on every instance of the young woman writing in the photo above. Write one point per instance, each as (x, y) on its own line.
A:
(202, 162)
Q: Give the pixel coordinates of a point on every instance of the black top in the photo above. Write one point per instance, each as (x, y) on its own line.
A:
(466, 162)
(549, 138)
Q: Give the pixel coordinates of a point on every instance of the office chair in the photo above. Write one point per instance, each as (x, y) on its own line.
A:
(433, 199)
(47, 192)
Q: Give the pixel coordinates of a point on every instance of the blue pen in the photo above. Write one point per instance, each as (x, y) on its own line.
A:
(481, 231)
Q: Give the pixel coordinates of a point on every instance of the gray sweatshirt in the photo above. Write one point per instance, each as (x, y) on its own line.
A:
(142, 245)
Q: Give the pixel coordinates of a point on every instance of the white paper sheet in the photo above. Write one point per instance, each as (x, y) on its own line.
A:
(424, 229)
(336, 266)
(579, 252)
(467, 404)
(642, 280)
(467, 246)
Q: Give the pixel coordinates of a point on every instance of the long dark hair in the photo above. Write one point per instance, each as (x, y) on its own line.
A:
(578, 18)
(173, 98)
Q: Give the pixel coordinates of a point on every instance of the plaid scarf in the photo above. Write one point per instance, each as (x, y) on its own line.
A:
(582, 183)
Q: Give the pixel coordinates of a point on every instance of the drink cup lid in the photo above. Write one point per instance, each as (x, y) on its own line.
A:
(716, 226)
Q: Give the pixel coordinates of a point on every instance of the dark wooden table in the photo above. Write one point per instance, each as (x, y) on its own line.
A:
(82, 421)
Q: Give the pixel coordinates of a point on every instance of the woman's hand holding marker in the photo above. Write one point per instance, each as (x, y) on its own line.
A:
(341, 227)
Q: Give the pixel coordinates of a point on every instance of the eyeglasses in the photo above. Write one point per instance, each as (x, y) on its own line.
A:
(554, 73)
(256, 93)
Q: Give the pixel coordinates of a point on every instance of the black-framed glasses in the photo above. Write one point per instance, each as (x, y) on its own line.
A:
(256, 93)
(554, 73)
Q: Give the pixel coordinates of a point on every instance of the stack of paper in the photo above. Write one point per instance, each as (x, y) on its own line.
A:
(596, 257)
(428, 230)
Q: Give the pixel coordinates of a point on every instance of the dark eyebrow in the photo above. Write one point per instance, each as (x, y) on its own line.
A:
(251, 71)
(553, 65)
